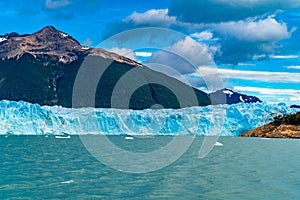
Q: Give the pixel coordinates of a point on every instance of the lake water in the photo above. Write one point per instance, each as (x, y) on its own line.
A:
(34, 167)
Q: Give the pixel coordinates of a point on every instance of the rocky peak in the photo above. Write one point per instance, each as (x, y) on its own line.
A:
(50, 34)
(52, 42)
(48, 30)
(47, 41)
(10, 35)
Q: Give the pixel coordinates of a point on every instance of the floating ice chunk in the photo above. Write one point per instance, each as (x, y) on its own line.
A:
(62, 137)
(67, 182)
(218, 144)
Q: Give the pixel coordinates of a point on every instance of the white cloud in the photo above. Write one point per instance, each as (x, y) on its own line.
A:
(283, 57)
(251, 29)
(293, 67)
(290, 96)
(263, 30)
(143, 54)
(259, 57)
(195, 52)
(204, 35)
(152, 17)
(159, 17)
(295, 99)
(184, 56)
(238, 41)
(52, 4)
(124, 52)
(246, 64)
(268, 90)
(264, 76)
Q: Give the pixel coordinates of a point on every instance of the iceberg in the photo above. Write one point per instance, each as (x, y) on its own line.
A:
(23, 118)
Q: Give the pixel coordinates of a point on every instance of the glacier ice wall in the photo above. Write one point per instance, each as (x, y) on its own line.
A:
(22, 118)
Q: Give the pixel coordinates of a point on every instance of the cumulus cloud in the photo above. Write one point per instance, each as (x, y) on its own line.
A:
(210, 11)
(53, 4)
(160, 18)
(196, 52)
(183, 56)
(204, 35)
(234, 41)
(264, 30)
(250, 39)
(152, 17)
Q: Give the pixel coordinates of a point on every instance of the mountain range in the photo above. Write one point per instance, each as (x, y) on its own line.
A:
(232, 97)
(42, 67)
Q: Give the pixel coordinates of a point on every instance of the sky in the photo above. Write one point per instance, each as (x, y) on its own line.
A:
(255, 44)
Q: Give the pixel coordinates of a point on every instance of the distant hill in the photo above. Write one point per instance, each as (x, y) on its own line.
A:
(295, 106)
(227, 96)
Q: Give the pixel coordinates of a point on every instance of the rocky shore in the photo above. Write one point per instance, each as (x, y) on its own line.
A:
(287, 126)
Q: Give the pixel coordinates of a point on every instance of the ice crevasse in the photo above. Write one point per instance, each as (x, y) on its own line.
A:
(22, 118)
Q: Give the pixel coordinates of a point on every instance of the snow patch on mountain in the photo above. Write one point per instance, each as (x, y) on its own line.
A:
(241, 98)
(63, 34)
(2, 39)
(228, 92)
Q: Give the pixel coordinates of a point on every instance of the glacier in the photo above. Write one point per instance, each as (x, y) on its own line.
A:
(23, 118)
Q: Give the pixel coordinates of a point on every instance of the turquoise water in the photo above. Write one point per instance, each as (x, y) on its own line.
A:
(35, 167)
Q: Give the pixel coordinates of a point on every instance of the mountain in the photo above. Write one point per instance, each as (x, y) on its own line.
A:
(48, 41)
(227, 96)
(42, 67)
(287, 126)
(295, 106)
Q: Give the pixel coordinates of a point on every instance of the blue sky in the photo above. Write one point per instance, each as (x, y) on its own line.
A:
(254, 43)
